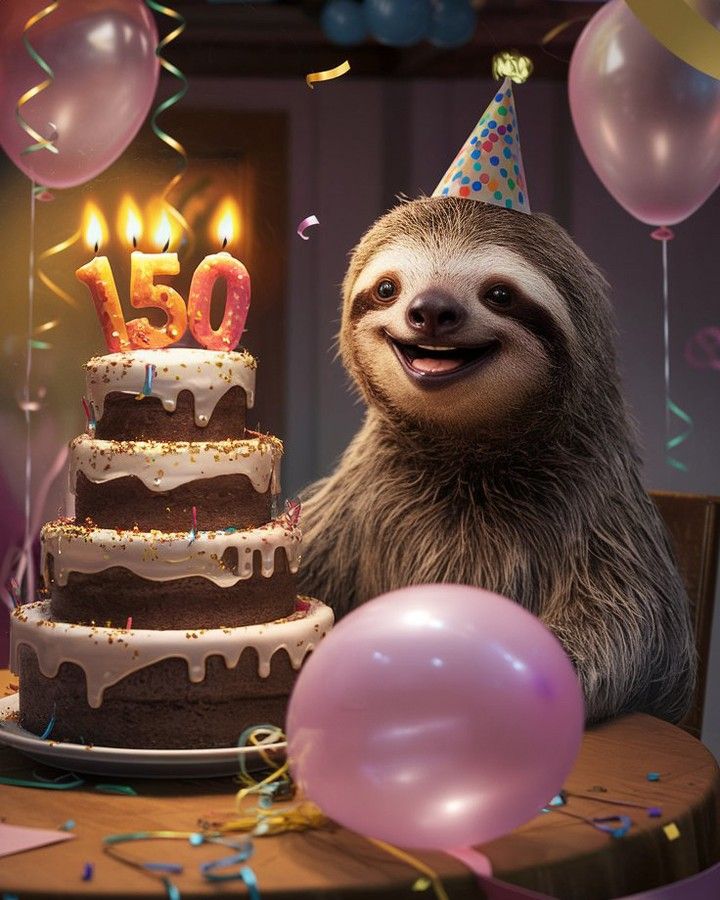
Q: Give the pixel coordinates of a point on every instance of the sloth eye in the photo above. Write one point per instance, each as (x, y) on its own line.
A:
(386, 289)
(500, 295)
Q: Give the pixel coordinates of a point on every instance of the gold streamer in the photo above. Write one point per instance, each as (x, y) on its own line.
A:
(41, 142)
(682, 31)
(513, 65)
(166, 104)
(421, 867)
(327, 74)
(46, 280)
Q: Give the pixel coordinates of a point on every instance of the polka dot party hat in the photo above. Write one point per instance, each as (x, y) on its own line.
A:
(489, 165)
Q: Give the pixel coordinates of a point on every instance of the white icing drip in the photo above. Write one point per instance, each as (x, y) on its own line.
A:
(107, 655)
(163, 465)
(163, 556)
(207, 374)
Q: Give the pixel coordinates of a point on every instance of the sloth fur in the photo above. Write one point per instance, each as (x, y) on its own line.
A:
(521, 477)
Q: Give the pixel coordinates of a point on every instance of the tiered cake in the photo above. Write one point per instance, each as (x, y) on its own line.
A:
(172, 619)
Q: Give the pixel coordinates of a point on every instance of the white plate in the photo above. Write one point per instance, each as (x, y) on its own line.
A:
(122, 760)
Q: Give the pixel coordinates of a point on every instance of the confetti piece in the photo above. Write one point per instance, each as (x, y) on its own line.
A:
(328, 74)
(196, 839)
(654, 812)
(193, 530)
(672, 832)
(559, 799)
(88, 871)
(606, 823)
(128, 624)
(40, 345)
(67, 826)
(421, 884)
(308, 220)
(653, 776)
(231, 529)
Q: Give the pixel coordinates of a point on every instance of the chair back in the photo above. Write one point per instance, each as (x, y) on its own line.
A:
(693, 522)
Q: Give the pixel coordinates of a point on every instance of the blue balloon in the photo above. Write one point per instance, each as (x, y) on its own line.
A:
(343, 22)
(399, 23)
(453, 23)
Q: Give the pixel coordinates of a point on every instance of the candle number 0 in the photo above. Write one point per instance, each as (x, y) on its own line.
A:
(237, 301)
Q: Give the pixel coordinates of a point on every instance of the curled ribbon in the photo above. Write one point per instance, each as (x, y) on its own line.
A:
(308, 220)
(46, 280)
(683, 31)
(513, 65)
(327, 74)
(41, 142)
(166, 104)
(674, 442)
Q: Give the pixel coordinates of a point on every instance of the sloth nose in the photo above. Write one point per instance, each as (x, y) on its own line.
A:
(434, 313)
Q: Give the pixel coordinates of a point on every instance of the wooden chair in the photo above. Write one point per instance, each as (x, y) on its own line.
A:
(693, 521)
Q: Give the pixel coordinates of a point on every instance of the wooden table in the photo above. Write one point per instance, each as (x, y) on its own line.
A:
(553, 853)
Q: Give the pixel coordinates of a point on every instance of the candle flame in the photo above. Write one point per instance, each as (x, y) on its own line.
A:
(163, 232)
(95, 228)
(225, 225)
(129, 222)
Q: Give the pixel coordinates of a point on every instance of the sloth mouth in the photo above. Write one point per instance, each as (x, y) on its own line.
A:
(433, 364)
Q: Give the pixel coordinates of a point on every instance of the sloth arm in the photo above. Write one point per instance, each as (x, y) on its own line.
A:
(624, 620)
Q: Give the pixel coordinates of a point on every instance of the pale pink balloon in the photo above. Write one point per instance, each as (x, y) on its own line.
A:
(648, 122)
(436, 716)
(103, 58)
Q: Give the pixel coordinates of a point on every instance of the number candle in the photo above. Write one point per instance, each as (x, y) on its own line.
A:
(145, 293)
(98, 276)
(237, 302)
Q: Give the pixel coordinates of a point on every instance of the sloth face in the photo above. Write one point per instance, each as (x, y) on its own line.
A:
(453, 329)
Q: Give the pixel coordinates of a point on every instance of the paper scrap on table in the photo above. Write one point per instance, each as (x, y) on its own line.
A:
(672, 832)
(17, 838)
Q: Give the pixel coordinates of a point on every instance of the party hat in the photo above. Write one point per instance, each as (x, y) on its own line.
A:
(489, 165)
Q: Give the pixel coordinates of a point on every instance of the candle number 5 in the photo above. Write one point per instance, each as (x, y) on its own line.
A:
(145, 293)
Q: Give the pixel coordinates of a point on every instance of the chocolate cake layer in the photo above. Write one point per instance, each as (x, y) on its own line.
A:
(115, 594)
(157, 707)
(220, 502)
(125, 418)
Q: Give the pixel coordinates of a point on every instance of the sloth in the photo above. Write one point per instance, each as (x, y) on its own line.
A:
(497, 450)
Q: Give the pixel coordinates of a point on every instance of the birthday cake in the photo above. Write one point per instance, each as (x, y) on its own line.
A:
(172, 619)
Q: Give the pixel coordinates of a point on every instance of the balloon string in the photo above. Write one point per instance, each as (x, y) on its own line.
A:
(46, 280)
(664, 235)
(41, 142)
(26, 560)
(166, 104)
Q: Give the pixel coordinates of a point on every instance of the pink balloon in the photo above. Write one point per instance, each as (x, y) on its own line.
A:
(648, 122)
(106, 72)
(435, 716)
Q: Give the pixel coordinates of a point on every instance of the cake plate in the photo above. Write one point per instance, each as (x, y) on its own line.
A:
(91, 760)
